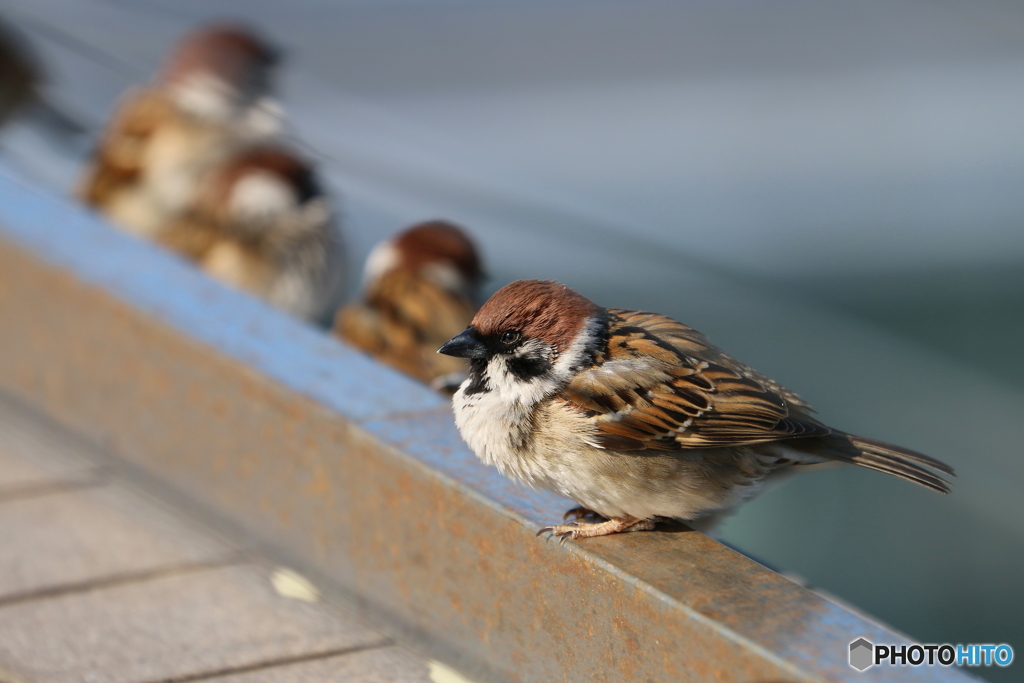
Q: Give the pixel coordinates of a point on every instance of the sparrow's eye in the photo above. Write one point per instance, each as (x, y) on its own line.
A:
(510, 337)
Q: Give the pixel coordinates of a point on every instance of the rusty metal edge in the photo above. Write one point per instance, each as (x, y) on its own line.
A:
(138, 305)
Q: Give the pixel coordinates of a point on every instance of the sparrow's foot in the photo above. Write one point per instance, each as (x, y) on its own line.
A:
(615, 525)
(579, 513)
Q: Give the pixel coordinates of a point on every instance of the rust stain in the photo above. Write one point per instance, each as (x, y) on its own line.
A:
(319, 483)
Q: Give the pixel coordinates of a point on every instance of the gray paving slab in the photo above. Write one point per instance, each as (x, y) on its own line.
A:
(175, 627)
(380, 665)
(19, 475)
(32, 458)
(71, 538)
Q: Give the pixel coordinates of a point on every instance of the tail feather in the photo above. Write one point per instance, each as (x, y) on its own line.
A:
(884, 457)
(871, 445)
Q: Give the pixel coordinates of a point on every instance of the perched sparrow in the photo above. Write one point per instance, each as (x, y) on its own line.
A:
(420, 289)
(633, 415)
(19, 73)
(262, 225)
(211, 99)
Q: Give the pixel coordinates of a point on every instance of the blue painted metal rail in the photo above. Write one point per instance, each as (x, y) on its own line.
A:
(358, 477)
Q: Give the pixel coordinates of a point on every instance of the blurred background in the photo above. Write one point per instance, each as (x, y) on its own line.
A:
(832, 191)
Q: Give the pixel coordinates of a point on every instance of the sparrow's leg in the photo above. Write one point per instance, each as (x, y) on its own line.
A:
(614, 525)
(579, 512)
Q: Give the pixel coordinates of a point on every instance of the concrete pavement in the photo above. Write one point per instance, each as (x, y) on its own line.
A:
(101, 583)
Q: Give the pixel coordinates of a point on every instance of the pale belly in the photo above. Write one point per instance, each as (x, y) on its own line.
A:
(240, 268)
(685, 484)
(134, 210)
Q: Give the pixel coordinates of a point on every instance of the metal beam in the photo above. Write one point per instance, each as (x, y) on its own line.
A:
(358, 476)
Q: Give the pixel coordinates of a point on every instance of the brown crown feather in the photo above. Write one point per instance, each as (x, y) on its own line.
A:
(539, 309)
(439, 241)
(221, 49)
(278, 161)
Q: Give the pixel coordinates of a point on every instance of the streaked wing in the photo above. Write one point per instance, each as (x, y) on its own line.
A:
(118, 158)
(405, 319)
(190, 236)
(433, 314)
(663, 385)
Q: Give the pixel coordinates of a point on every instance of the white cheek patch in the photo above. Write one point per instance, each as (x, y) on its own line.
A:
(382, 260)
(535, 348)
(446, 276)
(261, 195)
(566, 364)
(205, 96)
(516, 391)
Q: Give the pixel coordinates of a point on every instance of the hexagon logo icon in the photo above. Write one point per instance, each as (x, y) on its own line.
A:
(862, 654)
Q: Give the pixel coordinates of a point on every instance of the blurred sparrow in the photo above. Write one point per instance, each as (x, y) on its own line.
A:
(19, 73)
(633, 415)
(211, 99)
(262, 225)
(420, 288)
(23, 96)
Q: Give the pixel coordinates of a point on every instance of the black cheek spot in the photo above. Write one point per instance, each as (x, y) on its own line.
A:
(524, 368)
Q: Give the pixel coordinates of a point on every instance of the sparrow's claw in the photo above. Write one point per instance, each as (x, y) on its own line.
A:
(561, 530)
(614, 525)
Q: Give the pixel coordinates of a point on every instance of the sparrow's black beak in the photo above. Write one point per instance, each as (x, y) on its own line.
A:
(464, 345)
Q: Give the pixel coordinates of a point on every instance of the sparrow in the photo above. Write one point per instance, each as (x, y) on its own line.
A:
(633, 415)
(420, 289)
(19, 73)
(262, 224)
(212, 98)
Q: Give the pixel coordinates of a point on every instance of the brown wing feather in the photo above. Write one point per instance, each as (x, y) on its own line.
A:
(404, 320)
(191, 236)
(662, 385)
(119, 155)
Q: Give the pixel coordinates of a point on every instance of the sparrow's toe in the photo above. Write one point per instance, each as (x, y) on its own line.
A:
(558, 530)
(615, 525)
